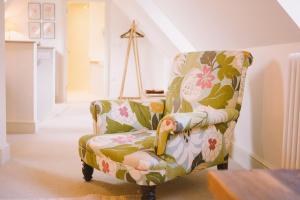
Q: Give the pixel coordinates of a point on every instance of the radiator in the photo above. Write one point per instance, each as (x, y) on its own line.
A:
(291, 131)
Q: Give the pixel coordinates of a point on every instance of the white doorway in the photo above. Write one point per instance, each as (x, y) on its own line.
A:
(86, 80)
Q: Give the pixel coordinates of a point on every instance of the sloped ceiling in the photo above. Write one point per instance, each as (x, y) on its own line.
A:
(292, 8)
(231, 24)
(135, 10)
(188, 25)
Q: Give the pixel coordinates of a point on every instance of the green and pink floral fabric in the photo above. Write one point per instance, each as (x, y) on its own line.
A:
(206, 78)
(114, 116)
(177, 123)
(152, 142)
(129, 156)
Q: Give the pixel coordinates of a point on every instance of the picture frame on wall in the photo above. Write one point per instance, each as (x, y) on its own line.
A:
(49, 11)
(34, 30)
(48, 30)
(34, 11)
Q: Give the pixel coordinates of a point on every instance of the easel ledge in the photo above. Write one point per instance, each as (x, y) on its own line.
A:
(143, 97)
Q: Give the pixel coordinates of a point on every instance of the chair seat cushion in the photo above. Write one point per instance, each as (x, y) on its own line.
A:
(134, 149)
(129, 156)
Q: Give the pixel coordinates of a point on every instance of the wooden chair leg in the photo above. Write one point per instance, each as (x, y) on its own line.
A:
(87, 171)
(148, 192)
(224, 165)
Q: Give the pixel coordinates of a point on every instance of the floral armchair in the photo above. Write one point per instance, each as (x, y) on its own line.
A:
(151, 142)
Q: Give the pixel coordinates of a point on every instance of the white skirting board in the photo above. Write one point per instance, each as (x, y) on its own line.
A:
(4, 153)
(247, 160)
(21, 127)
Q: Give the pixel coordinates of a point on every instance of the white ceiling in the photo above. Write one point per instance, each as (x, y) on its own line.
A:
(292, 7)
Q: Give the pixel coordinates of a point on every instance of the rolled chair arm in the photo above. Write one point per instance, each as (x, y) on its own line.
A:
(115, 116)
(183, 122)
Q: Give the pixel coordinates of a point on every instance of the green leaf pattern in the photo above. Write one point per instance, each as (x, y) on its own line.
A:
(218, 97)
(116, 127)
(142, 113)
(155, 177)
(117, 153)
(208, 58)
(173, 97)
(113, 116)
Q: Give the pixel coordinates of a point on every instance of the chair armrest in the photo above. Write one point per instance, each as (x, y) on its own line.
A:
(183, 122)
(114, 116)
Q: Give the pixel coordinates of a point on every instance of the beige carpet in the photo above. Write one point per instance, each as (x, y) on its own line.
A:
(46, 165)
(86, 197)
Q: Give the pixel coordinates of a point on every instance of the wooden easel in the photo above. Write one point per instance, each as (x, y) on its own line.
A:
(132, 36)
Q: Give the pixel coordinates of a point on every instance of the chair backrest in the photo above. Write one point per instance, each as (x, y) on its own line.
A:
(208, 78)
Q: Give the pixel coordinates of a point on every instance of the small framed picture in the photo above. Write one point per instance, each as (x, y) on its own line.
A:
(34, 11)
(34, 30)
(49, 30)
(49, 11)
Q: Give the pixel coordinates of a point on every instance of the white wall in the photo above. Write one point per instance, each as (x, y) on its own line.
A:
(135, 10)
(45, 82)
(2, 80)
(97, 51)
(21, 86)
(4, 152)
(151, 58)
(259, 131)
(231, 24)
(97, 28)
(16, 13)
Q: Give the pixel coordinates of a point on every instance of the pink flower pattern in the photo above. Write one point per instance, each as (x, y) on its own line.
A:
(122, 139)
(212, 143)
(123, 111)
(105, 167)
(205, 78)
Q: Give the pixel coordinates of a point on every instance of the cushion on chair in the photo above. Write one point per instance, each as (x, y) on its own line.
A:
(129, 156)
(118, 146)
